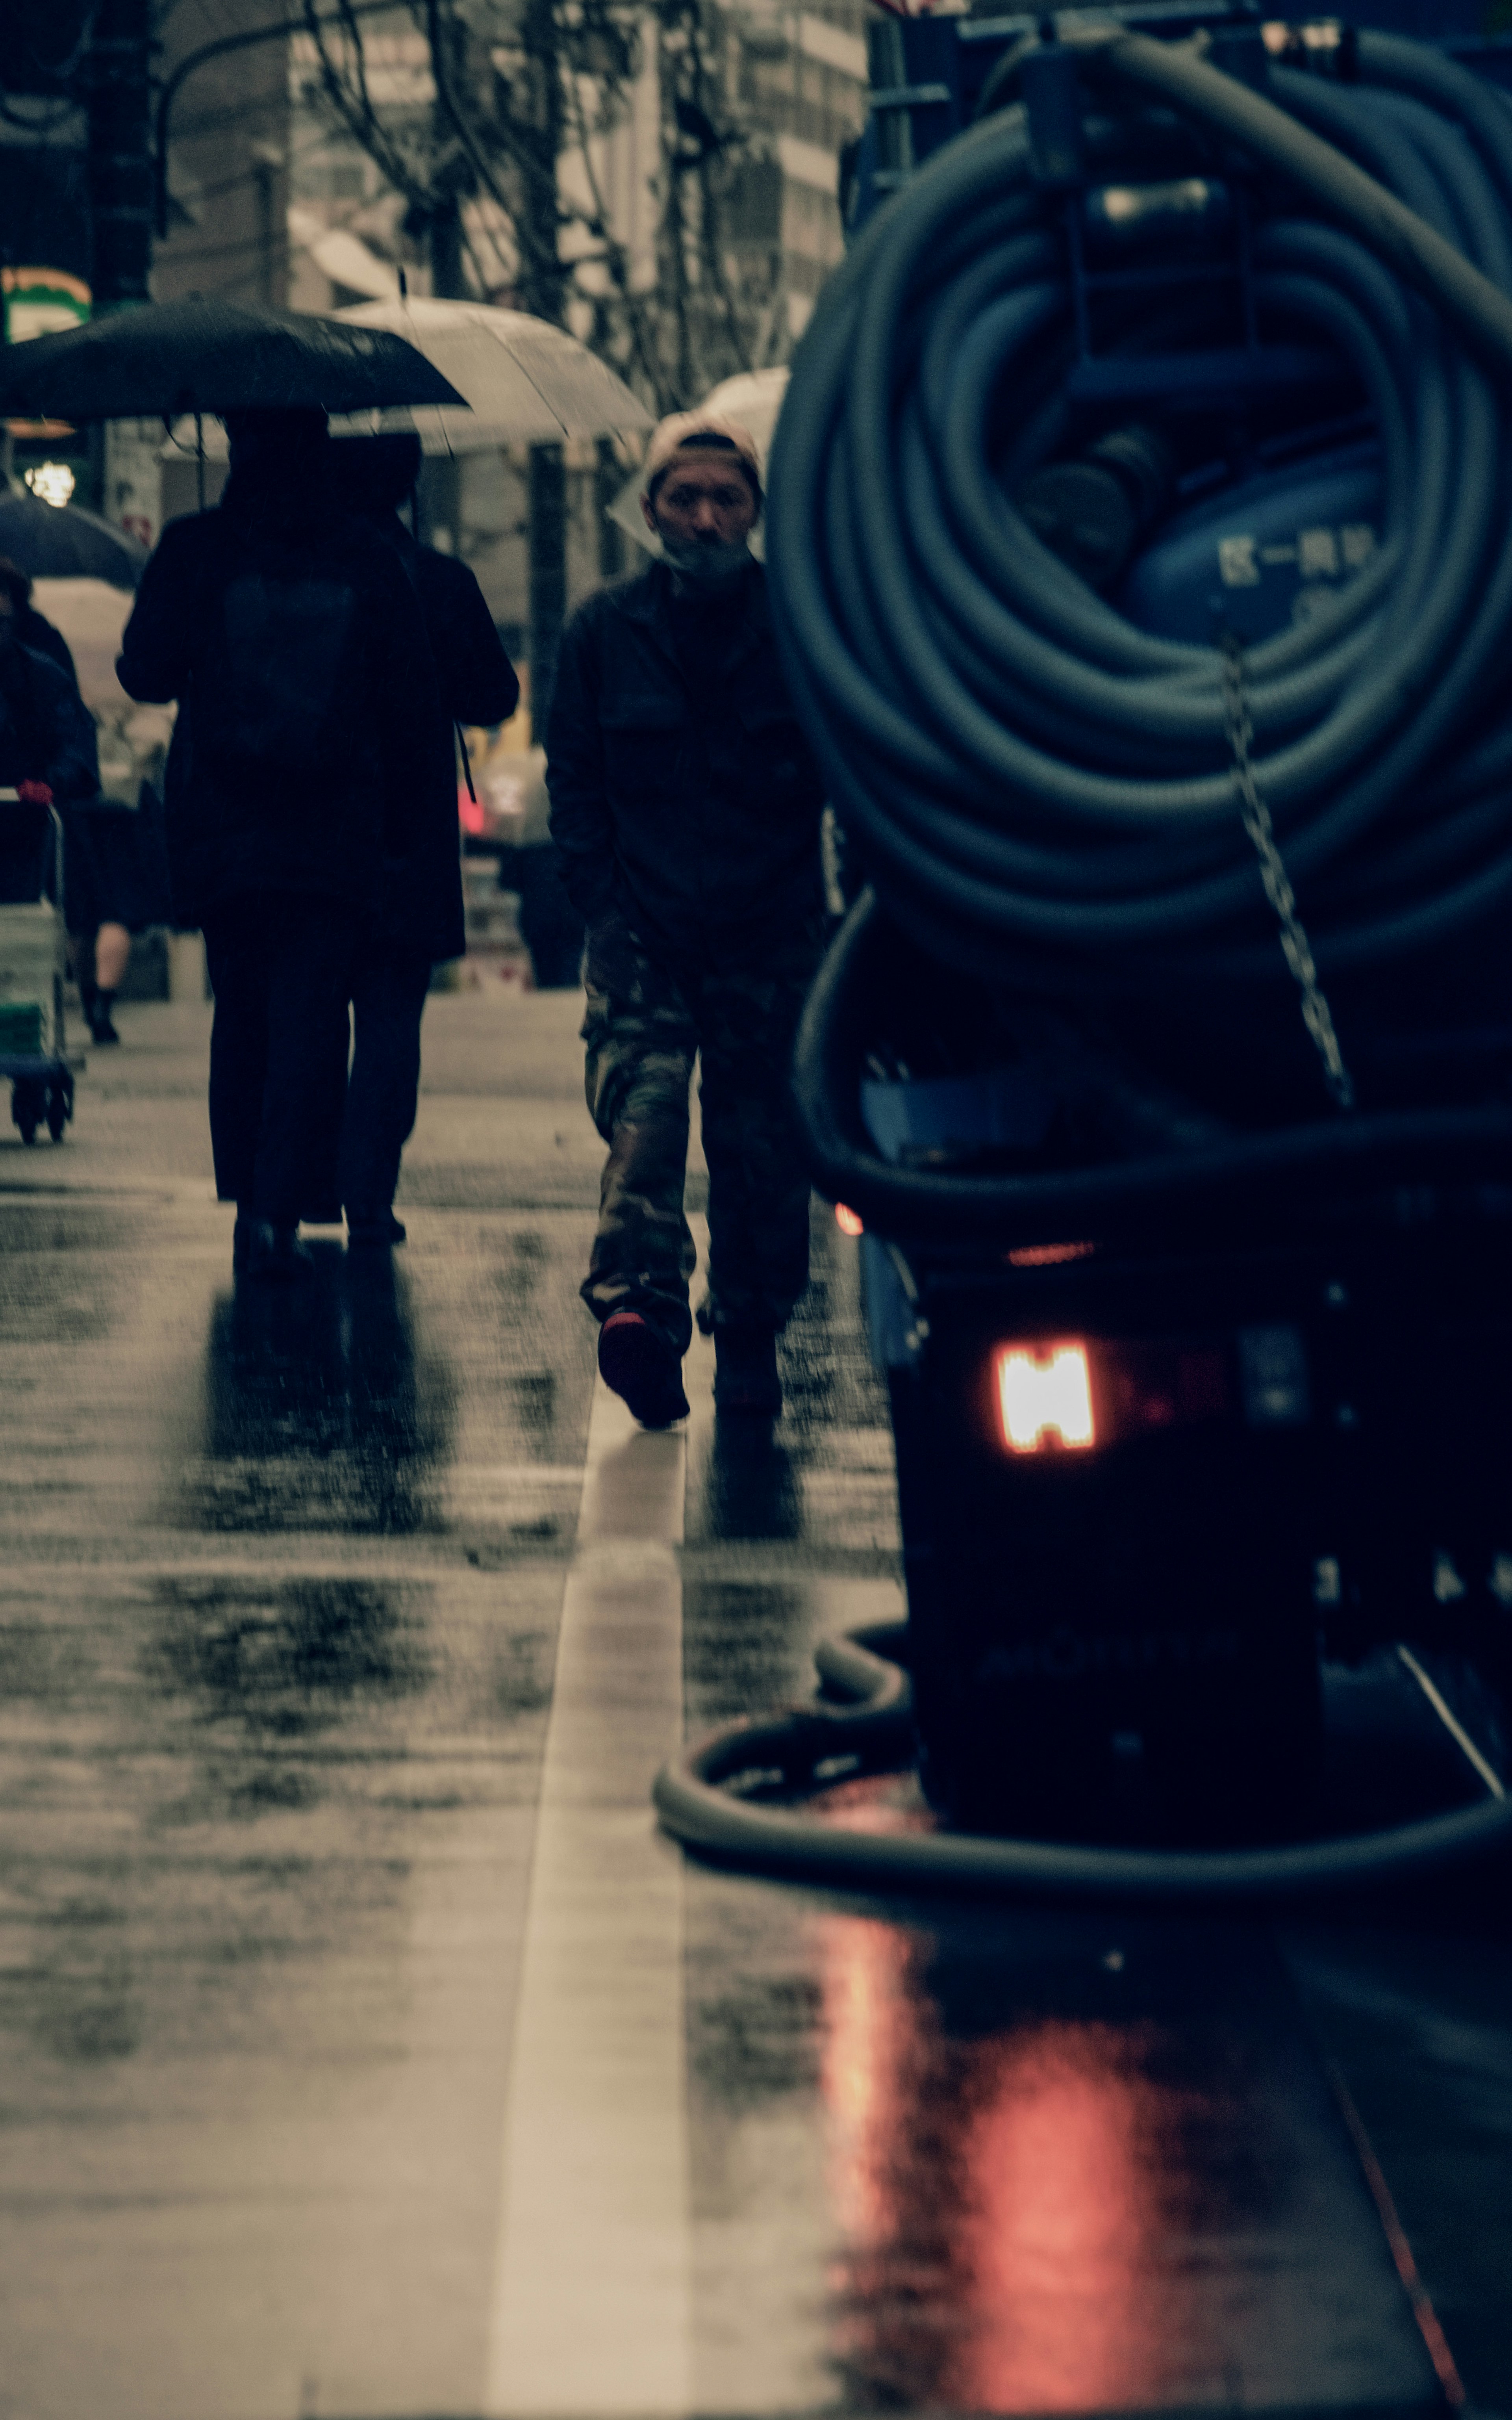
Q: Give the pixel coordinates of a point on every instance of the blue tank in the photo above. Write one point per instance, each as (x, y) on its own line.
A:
(1254, 559)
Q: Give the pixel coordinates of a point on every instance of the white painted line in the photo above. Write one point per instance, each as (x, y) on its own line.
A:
(592, 2295)
(1453, 1726)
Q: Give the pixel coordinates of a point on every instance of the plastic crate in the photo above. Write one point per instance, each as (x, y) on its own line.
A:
(31, 969)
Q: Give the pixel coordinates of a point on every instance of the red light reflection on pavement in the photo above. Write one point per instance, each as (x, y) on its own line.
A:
(864, 2002)
(1016, 2209)
(1053, 2238)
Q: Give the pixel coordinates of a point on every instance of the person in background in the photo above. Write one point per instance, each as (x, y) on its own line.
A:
(293, 642)
(687, 807)
(32, 629)
(47, 739)
(98, 889)
(419, 921)
(529, 865)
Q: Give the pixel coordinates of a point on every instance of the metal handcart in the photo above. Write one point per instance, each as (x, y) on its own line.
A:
(32, 1047)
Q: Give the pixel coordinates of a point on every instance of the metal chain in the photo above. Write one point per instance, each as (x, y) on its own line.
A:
(1295, 946)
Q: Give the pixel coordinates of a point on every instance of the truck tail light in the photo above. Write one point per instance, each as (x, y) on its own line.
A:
(1044, 1398)
(1072, 1394)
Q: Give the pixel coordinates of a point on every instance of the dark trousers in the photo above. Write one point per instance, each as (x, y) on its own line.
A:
(389, 987)
(280, 966)
(643, 1041)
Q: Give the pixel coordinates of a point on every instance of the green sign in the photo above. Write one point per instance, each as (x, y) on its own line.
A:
(42, 301)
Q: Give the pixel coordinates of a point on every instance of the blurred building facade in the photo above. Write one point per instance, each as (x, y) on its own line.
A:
(227, 190)
(796, 79)
(228, 164)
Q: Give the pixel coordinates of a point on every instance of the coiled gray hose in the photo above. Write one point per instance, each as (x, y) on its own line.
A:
(1039, 789)
(872, 1726)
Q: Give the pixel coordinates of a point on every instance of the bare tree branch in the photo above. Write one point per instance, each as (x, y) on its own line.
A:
(352, 104)
(576, 63)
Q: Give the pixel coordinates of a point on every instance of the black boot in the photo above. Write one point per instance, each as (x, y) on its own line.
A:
(642, 1369)
(97, 1005)
(745, 1372)
(373, 1231)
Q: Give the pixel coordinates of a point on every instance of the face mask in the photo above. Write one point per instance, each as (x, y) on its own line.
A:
(707, 561)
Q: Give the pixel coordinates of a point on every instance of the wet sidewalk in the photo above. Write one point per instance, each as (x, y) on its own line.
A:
(368, 2056)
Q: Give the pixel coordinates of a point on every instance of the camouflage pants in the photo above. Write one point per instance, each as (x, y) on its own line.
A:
(641, 1044)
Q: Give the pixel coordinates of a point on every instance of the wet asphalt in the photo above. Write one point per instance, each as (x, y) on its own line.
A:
(367, 2055)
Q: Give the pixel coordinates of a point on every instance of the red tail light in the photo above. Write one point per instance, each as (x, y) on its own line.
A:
(1075, 1393)
(1044, 1398)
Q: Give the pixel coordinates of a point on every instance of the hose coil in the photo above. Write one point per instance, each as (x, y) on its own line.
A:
(1038, 787)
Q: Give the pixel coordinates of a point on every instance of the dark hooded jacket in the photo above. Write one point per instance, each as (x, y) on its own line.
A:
(294, 644)
(47, 734)
(683, 791)
(38, 633)
(421, 905)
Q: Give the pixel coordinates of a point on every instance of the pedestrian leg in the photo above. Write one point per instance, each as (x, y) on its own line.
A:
(639, 1069)
(389, 990)
(758, 1176)
(311, 943)
(236, 956)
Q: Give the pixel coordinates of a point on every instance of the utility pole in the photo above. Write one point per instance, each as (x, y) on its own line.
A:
(119, 105)
(268, 165)
(543, 290)
(121, 152)
(441, 490)
(609, 479)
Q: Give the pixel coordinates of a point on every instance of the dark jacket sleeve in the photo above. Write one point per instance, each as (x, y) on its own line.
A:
(67, 731)
(157, 646)
(478, 679)
(38, 633)
(581, 825)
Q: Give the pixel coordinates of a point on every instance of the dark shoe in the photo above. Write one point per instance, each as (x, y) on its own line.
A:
(97, 1010)
(745, 1372)
(640, 1367)
(375, 1231)
(275, 1254)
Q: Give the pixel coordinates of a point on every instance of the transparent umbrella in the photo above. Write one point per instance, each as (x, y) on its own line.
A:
(528, 382)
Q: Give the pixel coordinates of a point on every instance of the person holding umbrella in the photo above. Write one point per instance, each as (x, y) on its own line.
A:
(292, 640)
(418, 918)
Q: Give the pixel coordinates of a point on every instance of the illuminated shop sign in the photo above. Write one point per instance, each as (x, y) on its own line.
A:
(43, 302)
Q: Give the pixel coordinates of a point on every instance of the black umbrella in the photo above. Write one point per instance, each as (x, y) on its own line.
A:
(64, 542)
(207, 355)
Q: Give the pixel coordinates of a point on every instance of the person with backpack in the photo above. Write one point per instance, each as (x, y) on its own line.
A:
(294, 644)
(419, 921)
